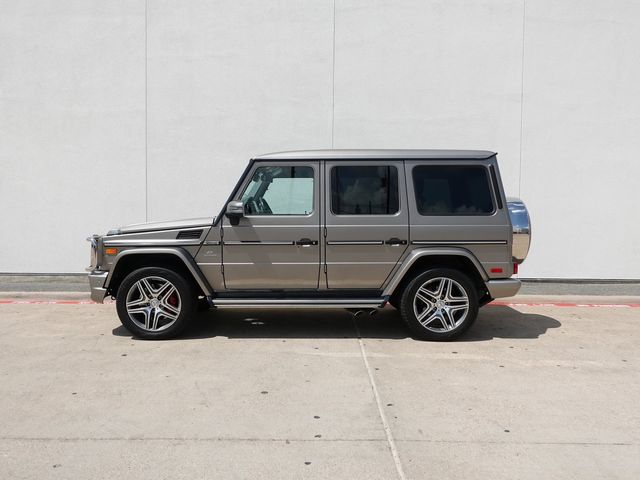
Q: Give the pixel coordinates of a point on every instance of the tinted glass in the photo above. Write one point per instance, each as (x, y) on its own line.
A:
(279, 191)
(364, 190)
(452, 190)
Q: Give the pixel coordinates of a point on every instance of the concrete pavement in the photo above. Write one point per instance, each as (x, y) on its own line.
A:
(529, 392)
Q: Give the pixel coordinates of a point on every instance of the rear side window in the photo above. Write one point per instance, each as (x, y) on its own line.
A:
(452, 190)
(364, 190)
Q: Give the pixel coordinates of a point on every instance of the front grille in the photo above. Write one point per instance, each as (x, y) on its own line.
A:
(189, 234)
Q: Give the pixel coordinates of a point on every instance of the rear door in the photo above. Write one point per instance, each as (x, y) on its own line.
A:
(366, 219)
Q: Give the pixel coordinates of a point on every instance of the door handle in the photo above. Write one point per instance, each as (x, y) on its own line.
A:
(306, 242)
(394, 242)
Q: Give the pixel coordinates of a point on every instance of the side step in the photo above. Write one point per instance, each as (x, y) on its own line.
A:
(360, 303)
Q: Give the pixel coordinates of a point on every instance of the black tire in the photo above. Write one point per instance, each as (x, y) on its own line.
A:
(183, 300)
(443, 323)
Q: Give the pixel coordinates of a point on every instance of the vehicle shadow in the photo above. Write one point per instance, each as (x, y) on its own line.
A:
(493, 322)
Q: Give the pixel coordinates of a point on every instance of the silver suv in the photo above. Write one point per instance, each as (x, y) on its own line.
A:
(428, 231)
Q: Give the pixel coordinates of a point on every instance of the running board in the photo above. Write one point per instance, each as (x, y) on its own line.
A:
(299, 303)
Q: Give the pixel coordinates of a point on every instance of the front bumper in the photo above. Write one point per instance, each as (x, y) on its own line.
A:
(506, 287)
(96, 282)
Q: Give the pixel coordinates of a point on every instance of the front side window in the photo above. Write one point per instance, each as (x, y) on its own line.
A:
(452, 190)
(364, 190)
(279, 191)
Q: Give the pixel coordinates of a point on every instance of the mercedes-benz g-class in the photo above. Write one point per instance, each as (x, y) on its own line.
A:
(430, 232)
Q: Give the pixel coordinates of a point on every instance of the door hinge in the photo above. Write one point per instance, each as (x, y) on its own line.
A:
(222, 269)
(325, 268)
(325, 232)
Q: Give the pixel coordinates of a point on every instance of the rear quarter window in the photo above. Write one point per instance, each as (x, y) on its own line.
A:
(452, 190)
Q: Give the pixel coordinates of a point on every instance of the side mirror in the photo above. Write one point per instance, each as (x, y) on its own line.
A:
(234, 212)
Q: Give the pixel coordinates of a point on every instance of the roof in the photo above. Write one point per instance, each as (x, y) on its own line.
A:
(377, 154)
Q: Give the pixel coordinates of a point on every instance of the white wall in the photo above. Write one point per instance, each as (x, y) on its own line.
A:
(121, 111)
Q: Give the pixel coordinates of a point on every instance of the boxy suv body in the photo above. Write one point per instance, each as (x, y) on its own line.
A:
(428, 231)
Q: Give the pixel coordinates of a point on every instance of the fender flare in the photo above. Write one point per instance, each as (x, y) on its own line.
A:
(418, 253)
(187, 259)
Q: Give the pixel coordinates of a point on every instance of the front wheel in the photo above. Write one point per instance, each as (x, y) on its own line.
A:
(439, 304)
(155, 303)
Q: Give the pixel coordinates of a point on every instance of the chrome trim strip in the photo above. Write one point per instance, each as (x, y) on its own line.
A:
(459, 242)
(299, 303)
(152, 243)
(256, 242)
(212, 242)
(355, 242)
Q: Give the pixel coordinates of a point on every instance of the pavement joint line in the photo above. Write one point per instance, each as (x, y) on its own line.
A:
(383, 417)
(306, 440)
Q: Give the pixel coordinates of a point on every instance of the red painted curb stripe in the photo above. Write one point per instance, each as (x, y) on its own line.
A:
(564, 304)
(46, 302)
(492, 304)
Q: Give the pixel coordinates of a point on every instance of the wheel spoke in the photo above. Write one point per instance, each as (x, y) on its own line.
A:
(458, 308)
(434, 316)
(441, 287)
(427, 301)
(140, 302)
(147, 319)
(145, 288)
(169, 310)
(448, 322)
(424, 313)
(429, 296)
(156, 316)
(164, 291)
(449, 292)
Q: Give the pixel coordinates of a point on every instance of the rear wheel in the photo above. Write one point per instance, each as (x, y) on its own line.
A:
(439, 304)
(155, 303)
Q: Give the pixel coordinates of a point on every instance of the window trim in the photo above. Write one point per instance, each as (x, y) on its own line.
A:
(492, 194)
(366, 215)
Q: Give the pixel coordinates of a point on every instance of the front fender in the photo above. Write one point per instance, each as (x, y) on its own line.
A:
(180, 253)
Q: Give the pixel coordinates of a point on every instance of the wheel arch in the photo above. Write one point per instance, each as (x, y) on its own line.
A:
(176, 259)
(420, 260)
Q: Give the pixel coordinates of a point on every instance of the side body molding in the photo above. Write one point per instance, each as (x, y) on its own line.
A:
(418, 253)
(187, 259)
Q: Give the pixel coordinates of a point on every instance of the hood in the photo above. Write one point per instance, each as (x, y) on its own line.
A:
(168, 225)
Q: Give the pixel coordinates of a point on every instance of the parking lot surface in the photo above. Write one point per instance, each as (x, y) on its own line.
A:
(531, 391)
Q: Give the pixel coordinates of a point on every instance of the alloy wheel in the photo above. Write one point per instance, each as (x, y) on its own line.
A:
(441, 304)
(153, 303)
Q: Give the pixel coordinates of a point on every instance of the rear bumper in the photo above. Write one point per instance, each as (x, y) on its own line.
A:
(96, 282)
(506, 287)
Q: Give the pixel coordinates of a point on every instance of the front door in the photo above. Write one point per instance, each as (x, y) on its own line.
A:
(366, 220)
(276, 244)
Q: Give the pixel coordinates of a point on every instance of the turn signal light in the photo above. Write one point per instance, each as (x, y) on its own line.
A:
(496, 270)
(111, 251)
(515, 268)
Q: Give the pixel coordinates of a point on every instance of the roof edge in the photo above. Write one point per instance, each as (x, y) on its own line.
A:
(372, 154)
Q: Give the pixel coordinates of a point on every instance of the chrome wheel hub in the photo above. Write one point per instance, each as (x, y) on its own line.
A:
(153, 303)
(441, 304)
